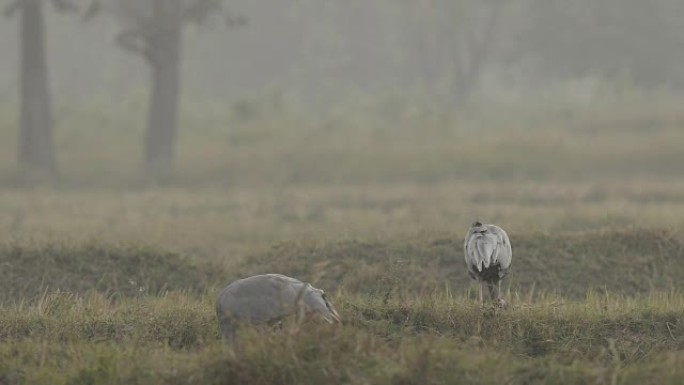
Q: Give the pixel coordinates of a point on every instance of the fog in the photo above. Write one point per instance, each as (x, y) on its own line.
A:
(374, 46)
(153, 151)
(516, 60)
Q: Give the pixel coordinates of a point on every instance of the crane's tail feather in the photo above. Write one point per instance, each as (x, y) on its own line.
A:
(486, 251)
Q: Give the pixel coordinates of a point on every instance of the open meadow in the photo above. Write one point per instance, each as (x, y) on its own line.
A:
(108, 278)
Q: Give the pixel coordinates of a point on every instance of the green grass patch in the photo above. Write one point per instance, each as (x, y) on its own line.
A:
(173, 338)
(629, 261)
(28, 270)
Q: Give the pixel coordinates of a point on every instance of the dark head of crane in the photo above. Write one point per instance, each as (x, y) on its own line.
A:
(488, 258)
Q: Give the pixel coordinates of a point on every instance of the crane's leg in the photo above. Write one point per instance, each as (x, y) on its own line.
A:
(481, 293)
(227, 331)
(491, 288)
(499, 299)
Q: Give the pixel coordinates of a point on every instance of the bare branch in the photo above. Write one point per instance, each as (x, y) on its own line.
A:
(10, 8)
(64, 6)
(199, 10)
(235, 21)
(134, 41)
(93, 9)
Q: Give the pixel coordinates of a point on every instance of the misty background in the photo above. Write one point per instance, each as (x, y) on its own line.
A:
(376, 90)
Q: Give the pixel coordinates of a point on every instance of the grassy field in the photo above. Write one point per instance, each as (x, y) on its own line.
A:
(433, 338)
(107, 278)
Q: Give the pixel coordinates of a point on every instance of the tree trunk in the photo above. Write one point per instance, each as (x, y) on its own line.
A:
(477, 51)
(164, 45)
(427, 48)
(36, 147)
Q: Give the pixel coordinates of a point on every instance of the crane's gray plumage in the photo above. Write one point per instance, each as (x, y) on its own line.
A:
(268, 298)
(488, 256)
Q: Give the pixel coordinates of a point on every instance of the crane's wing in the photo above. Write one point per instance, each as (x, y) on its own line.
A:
(260, 298)
(484, 249)
(481, 250)
(505, 252)
(471, 257)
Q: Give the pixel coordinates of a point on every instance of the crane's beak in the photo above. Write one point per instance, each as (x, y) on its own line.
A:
(332, 316)
(335, 316)
(332, 313)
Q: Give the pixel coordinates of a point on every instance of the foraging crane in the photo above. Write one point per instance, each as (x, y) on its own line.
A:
(488, 257)
(266, 299)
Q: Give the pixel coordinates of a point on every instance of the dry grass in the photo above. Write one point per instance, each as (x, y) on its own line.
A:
(420, 339)
(409, 315)
(225, 224)
(371, 209)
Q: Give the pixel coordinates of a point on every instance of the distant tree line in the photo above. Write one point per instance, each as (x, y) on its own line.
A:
(149, 28)
(453, 42)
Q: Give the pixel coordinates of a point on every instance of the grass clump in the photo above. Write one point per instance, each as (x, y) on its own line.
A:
(176, 320)
(432, 339)
(593, 306)
(630, 261)
(27, 270)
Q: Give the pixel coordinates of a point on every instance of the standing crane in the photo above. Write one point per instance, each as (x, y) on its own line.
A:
(488, 256)
(268, 298)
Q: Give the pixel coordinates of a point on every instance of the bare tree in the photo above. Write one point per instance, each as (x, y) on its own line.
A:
(464, 34)
(163, 54)
(618, 39)
(36, 144)
(475, 47)
(455, 39)
(153, 29)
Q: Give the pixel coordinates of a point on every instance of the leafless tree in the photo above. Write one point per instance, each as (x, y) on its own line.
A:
(153, 29)
(36, 151)
(455, 40)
